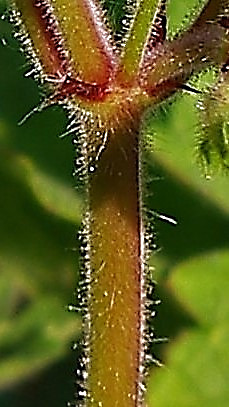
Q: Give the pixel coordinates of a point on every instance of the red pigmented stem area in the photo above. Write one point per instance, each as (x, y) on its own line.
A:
(212, 12)
(115, 303)
(86, 38)
(69, 40)
(56, 61)
(224, 22)
(88, 92)
(178, 60)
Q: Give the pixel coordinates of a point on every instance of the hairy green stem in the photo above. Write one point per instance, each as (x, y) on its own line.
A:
(115, 302)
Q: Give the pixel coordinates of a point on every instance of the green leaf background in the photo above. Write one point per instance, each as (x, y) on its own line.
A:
(41, 209)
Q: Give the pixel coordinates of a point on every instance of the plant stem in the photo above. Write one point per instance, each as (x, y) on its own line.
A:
(140, 30)
(115, 304)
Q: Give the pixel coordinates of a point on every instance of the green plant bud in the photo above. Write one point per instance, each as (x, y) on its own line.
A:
(213, 141)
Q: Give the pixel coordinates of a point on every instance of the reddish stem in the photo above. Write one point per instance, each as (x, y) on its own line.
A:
(115, 302)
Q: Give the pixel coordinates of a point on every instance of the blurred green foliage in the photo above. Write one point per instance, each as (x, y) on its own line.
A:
(39, 253)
